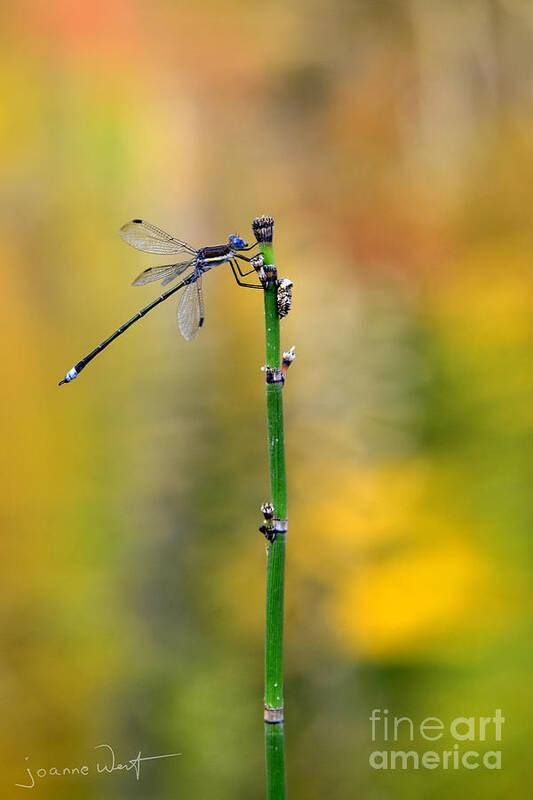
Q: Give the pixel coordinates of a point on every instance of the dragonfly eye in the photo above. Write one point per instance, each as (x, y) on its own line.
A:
(236, 242)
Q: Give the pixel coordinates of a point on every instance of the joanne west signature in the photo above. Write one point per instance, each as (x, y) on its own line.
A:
(109, 765)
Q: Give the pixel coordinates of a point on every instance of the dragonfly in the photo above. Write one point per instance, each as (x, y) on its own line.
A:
(190, 315)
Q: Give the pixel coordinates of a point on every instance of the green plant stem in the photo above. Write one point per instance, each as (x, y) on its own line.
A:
(274, 733)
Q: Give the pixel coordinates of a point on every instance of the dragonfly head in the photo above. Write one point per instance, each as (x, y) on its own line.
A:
(236, 242)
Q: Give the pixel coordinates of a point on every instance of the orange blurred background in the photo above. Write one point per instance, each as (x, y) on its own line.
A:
(391, 141)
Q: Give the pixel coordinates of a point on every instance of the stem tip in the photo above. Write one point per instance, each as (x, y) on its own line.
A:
(263, 228)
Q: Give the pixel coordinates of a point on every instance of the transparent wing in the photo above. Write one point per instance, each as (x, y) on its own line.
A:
(147, 237)
(164, 274)
(191, 310)
(200, 301)
(171, 277)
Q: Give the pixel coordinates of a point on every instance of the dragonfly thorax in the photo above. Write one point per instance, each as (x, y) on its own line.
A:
(218, 253)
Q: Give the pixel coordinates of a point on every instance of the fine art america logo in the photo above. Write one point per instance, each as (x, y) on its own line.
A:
(464, 745)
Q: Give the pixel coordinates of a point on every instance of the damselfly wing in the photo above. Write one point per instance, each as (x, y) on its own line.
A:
(147, 237)
(164, 274)
(191, 310)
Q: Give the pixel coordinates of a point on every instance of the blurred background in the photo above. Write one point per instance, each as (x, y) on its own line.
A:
(392, 142)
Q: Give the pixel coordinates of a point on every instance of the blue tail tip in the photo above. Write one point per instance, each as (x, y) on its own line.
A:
(71, 374)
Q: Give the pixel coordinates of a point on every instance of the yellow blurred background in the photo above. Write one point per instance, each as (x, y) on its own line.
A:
(392, 142)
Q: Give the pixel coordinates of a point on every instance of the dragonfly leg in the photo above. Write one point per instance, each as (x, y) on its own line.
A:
(247, 285)
(241, 273)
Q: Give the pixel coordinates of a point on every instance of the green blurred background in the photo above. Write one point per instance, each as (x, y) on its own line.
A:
(392, 142)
